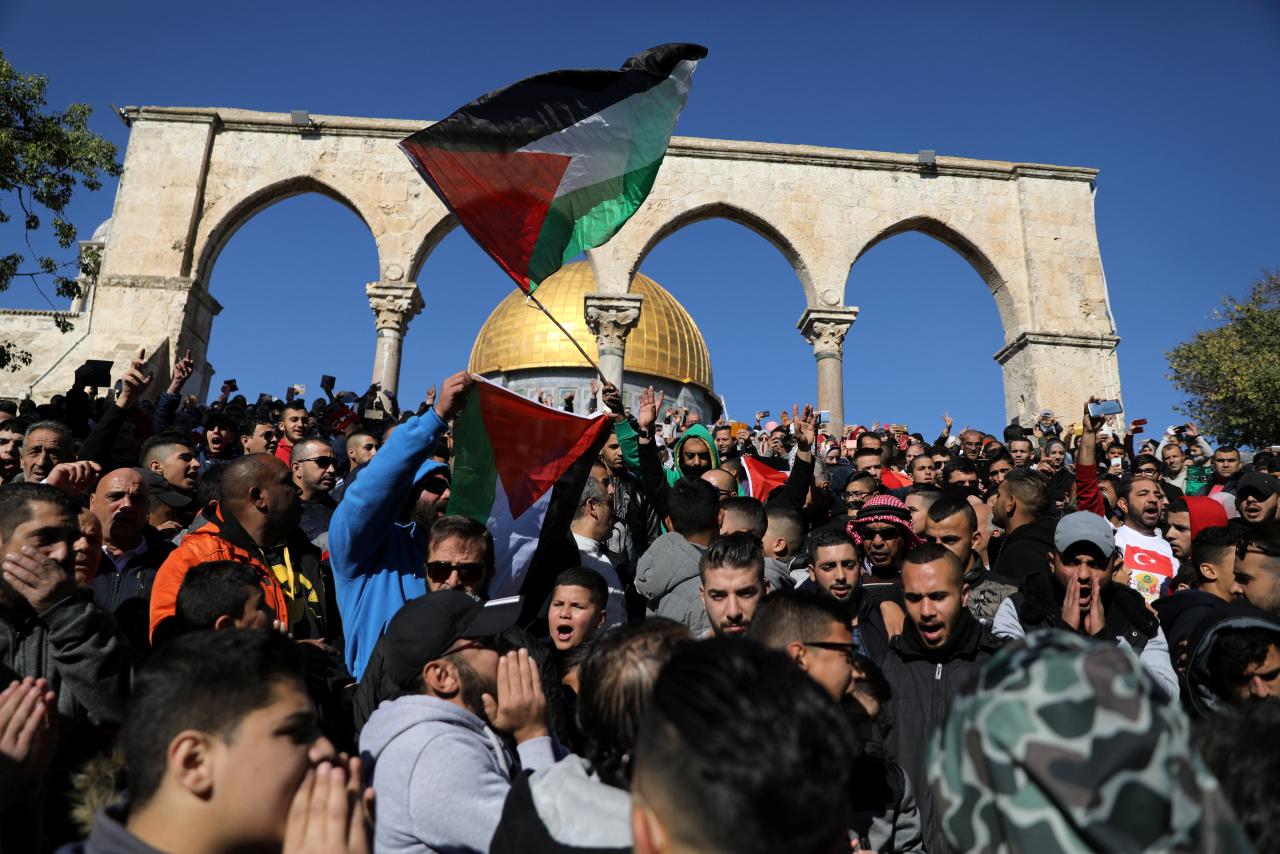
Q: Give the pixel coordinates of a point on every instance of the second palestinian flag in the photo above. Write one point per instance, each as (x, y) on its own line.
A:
(555, 164)
(519, 468)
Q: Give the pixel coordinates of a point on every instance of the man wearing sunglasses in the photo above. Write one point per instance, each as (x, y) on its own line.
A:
(378, 535)
(434, 744)
(1257, 577)
(813, 630)
(884, 532)
(937, 657)
(314, 473)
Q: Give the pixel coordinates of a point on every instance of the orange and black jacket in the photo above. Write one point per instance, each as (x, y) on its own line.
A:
(293, 587)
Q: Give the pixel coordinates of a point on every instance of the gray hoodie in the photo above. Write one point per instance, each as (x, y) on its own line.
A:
(441, 774)
(668, 577)
(564, 808)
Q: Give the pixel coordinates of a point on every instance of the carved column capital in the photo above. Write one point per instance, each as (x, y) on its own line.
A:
(611, 317)
(825, 329)
(394, 304)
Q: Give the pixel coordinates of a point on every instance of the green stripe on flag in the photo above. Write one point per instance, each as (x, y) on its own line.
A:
(473, 464)
(588, 217)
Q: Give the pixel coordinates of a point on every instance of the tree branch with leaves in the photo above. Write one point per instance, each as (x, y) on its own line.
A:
(44, 156)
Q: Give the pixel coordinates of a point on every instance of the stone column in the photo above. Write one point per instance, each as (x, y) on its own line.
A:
(611, 317)
(825, 329)
(1058, 371)
(394, 304)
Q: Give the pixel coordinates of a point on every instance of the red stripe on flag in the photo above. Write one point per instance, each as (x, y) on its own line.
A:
(500, 197)
(762, 479)
(1139, 559)
(533, 445)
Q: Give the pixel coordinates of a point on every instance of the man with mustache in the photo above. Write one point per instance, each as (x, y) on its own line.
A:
(132, 551)
(45, 445)
(1075, 593)
(1146, 555)
(434, 746)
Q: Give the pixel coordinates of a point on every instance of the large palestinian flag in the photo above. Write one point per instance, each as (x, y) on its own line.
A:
(519, 468)
(555, 164)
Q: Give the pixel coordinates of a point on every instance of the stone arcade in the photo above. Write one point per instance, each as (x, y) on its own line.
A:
(194, 176)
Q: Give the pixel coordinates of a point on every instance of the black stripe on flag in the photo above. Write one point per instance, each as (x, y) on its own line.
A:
(514, 116)
(556, 548)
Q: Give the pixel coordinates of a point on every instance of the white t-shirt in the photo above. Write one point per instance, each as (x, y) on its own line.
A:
(1148, 558)
(595, 557)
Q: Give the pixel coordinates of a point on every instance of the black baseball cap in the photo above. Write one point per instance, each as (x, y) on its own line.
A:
(1259, 482)
(425, 628)
(163, 491)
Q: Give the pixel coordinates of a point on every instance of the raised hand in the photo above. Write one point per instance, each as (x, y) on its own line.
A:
(1087, 424)
(612, 400)
(806, 427)
(520, 709)
(182, 371)
(946, 420)
(453, 394)
(135, 381)
(74, 478)
(650, 405)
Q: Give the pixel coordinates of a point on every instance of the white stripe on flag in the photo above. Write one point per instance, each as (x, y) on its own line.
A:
(514, 541)
(594, 159)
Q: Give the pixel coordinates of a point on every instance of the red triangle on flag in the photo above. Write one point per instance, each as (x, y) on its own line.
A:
(533, 445)
(500, 197)
(762, 479)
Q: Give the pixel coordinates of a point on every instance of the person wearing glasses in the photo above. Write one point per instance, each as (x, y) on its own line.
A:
(857, 489)
(937, 657)
(314, 473)
(883, 531)
(1257, 570)
(378, 535)
(813, 631)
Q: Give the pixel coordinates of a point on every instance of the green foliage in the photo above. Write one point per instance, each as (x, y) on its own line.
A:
(1231, 374)
(42, 157)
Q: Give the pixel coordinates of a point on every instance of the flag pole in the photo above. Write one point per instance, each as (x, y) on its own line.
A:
(551, 317)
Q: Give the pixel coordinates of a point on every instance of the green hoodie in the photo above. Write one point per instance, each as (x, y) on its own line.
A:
(697, 431)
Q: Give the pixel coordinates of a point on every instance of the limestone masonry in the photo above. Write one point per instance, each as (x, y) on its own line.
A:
(194, 176)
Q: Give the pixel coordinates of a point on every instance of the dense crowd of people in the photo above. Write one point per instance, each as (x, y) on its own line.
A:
(249, 626)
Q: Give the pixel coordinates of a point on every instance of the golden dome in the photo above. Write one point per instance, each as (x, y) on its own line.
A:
(665, 343)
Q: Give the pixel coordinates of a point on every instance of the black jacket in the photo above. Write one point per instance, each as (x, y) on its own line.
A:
(1039, 606)
(126, 592)
(1026, 550)
(924, 682)
(76, 646)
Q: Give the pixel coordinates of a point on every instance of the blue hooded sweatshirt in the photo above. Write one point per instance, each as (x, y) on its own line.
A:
(377, 560)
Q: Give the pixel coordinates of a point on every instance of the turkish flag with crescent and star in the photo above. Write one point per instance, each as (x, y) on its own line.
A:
(1145, 560)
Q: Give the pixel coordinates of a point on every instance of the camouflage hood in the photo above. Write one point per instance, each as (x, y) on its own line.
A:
(1066, 745)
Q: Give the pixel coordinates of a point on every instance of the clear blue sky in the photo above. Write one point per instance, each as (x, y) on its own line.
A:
(1175, 102)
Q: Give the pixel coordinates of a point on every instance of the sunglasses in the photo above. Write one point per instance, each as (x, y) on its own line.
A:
(497, 643)
(1244, 547)
(890, 533)
(857, 496)
(468, 573)
(322, 462)
(849, 650)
